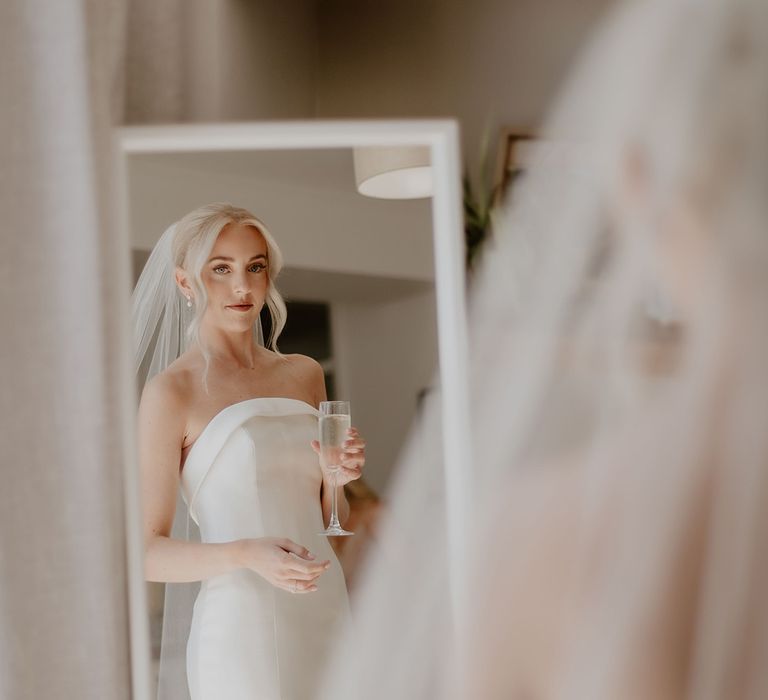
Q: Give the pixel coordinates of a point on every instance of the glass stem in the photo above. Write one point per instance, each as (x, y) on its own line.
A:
(334, 514)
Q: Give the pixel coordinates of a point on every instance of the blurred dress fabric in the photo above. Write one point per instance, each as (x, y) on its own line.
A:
(252, 473)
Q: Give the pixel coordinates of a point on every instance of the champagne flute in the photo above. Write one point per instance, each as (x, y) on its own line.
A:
(334, 422)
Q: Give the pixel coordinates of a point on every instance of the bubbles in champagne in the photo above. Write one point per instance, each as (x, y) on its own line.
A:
(333, 432)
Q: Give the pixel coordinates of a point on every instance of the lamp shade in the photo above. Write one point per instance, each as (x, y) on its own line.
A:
(399, 172)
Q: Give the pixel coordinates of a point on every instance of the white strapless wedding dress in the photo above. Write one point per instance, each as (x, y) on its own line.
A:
(253, 473)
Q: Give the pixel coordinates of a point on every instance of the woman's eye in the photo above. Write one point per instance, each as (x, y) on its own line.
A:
(256, 267)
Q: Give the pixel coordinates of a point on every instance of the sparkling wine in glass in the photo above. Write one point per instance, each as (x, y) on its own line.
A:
(334, 422)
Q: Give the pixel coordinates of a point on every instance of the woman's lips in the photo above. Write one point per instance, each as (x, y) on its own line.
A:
(241, 307)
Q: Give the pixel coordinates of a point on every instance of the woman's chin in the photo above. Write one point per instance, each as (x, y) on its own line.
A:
(235, 322)
(244, 322)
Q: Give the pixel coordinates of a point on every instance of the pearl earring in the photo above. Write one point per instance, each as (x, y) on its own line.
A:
(189, 302)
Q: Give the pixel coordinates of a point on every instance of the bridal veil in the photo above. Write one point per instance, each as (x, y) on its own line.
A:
(160, 321)
(619, 336)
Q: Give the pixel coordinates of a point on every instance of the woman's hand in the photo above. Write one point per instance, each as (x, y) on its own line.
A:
(352, 459)
(282, 562)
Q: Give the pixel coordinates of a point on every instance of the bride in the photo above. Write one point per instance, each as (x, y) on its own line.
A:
(230, 425)
(619, 337)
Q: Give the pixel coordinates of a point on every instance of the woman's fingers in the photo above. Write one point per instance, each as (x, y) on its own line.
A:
(353, 457)
(304, 568)
(354, 444)
(301, 576)
(346, 474)
(304, 574)
(352, 462)
(354, 435)
(297, 549)
(293, 586)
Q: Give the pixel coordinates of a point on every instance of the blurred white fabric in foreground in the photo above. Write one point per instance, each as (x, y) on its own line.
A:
(619, 340)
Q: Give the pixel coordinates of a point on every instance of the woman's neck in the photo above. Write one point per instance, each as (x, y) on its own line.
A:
(233, 349)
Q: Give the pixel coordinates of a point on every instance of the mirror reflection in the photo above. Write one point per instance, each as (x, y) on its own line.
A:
(267, 284)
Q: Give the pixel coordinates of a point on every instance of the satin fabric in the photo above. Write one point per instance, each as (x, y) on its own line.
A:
(252, 473)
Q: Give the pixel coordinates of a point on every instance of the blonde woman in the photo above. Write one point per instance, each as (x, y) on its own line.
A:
(616, 548)
(229, 425)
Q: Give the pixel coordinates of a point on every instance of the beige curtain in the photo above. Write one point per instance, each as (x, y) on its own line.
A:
(157, 58)
(64, 625)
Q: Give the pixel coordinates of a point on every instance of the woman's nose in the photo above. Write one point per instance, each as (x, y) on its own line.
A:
(240, 283)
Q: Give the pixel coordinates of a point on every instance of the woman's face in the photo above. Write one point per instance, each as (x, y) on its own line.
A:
(235, 277)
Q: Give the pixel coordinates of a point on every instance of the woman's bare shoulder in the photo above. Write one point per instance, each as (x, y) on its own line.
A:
(169, 390)
(304, 363)
(310, 374)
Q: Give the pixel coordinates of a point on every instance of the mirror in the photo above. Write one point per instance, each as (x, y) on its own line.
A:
(373, 289)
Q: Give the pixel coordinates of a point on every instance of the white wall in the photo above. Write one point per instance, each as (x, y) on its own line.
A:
(384, 355)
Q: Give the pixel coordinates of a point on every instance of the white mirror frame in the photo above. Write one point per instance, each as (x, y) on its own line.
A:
(442, 137)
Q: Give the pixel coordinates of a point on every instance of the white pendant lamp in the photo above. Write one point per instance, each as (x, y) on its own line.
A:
(393, 172)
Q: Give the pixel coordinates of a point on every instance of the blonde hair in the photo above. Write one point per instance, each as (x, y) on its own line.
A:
(195, 236)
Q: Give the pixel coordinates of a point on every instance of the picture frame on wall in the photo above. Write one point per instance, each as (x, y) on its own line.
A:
(510, 160)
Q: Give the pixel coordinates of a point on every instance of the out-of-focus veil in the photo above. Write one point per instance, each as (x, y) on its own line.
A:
(619, 342)
(160, 319)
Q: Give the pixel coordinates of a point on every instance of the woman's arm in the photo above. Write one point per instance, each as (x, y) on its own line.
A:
(161, 426)
(282, 562)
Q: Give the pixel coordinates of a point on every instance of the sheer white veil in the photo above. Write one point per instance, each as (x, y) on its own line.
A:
(619, 340)
(161, 319)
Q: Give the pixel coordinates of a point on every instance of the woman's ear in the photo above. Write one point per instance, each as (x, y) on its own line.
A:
(183, 283)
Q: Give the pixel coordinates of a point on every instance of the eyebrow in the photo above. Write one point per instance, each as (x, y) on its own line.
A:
(226, 259)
